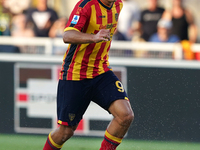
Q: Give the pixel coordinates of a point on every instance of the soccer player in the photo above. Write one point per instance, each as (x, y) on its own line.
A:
(86, 75)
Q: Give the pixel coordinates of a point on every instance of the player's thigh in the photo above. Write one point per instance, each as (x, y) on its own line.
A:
(108, 88)
(73, 98)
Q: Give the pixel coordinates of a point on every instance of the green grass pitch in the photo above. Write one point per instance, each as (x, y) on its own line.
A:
(33, 142)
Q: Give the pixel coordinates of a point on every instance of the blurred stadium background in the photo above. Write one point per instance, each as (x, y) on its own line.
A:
(163, 88)
(64, 7)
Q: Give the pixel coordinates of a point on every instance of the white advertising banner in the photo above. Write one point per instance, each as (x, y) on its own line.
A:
(42, 98)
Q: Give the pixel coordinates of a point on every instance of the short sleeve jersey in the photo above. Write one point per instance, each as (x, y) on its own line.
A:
(86, 61)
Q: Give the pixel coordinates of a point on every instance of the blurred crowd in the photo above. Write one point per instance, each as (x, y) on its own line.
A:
(151, 24)
(156, 24)
(26, 21)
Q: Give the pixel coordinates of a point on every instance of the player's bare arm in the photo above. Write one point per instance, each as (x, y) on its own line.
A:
(76, 37)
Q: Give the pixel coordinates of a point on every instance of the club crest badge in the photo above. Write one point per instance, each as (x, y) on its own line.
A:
(71, 117)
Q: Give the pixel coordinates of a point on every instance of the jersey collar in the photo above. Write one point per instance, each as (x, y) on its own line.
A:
(104, 5)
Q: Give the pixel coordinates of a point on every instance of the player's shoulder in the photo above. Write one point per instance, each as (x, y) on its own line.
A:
(119, 2)
(85, 3)
(83, 6)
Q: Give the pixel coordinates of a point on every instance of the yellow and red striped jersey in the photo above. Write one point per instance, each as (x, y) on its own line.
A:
(85, 61)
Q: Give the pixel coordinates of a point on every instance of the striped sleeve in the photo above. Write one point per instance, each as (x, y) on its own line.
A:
(79, 16)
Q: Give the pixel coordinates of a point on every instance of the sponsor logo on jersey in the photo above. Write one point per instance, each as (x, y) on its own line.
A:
(108, 26)
(102, 16)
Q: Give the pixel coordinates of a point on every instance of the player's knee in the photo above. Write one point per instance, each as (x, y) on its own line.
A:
(126, 118)
(67, 132)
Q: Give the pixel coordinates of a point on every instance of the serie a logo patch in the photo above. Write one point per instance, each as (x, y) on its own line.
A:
(75, 19)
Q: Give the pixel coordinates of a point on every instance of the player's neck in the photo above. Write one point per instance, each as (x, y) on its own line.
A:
(107, 3)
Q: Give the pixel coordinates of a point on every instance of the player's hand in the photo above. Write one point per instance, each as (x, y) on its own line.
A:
(102, 35)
